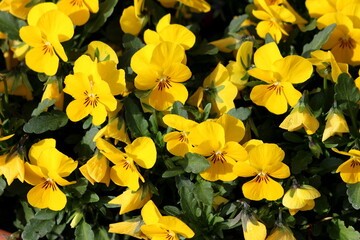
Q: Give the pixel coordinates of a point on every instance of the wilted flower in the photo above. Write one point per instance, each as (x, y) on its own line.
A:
(335, 124)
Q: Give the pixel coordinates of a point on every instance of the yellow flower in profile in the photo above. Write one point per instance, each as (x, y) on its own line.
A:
(300, 117)
(238, 69)
(344, 41)
(96, 169)
(327, 66)
(166, 32)
(46, 170)
(78, 10)
(141, 151)
(12, 167)
(264, 160)
(335, 124)
(116, 127)
(52, 91)
(131, 200)
(18, 8)
(281, 232)
(273, 19)
(253, 229)
(160, 69)
(219, 90)
(102, 52)
(216, 143)
(92, 96)
(130, 22)
(44, 34)
(177, 142)
(162, 227)
(350, 169)
(131, 228)
(280, 74)
(16, 87)
(300, 198)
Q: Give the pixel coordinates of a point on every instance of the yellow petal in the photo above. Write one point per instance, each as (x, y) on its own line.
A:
(150, 213)
(350, 171)
(128, 228)
(266, 56)
(37, 149)
(143, 151)
(93, 5)
(38, 10)
(265, 155)
(294, 69)
(126, 175)
(177, 226)
(254, 231)
(104, 50)
(244, 169)
(234, 128)
(43, 62)
(162, 98)
(178, 122)
(47, 195)
(78, 13)
(221, 168)
(76, 111)
(262, 187)
(129, 22)
(179, 34)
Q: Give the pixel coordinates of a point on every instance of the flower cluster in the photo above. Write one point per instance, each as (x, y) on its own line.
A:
(199, 119)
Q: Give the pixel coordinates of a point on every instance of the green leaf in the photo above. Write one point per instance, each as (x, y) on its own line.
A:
(106, 8)
(319, 39)
(2, 185)
(178, 109)
(87, 146)
(204, 48)
(135, 119)
(130, 41)
(43, 105)
(172, 210)
(353, 192)
(37, 228)
(154, 127)
(345, 90)
(301, 161)
(10, 25)
(46, 121)
(45, 214)
(83, 231)
(173, 172)
(240, 113)
(235, 24)
(206, 112)
(268, 38)
(101, 233)
(311, 26)
(338, 231)
(195, 163)
(78, 189)
(204, 192)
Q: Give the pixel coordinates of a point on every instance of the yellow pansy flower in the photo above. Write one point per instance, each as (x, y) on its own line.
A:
(46, 170)
(177, 142)
(131, 228)
(92, 96)
(300, 117)
(17, 8)
(281, 232)
(162, 227)
(166, 32)
(52, 91)
(265, 160)
(141, 151)
(101, 51)
(96, 169)
(219, 90)
(160, 69)
(44, 34)
(238, 69)
(280, 74)
(15, 87)
(344, 41)
(130, 22)
(78, 10)
(327, 66)
(350, 169)
(273, 19)
(131, 200)
(253, 229)
(12, 167)
(213, 141)
(300, 198)
(335, 124)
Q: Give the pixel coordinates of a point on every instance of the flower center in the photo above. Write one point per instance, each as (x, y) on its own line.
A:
(47, 48)
(346, 42)
(91, 99)
(355, 163)
(76, 2)
(262, 177)
(164, 82)
(218, 156)
(275, 87)
(170, 236)
(49, 183)
(183, 137)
